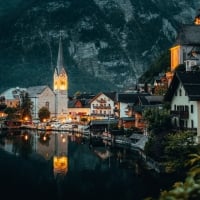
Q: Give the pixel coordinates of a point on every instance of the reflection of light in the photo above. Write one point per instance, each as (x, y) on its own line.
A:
(44, 138)
(60, 164)
(63, 139)
(26, 137)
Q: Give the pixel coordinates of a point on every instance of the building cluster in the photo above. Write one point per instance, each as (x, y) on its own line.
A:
(182, 91)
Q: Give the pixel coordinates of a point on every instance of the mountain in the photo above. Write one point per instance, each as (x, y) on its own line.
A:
(107, 44)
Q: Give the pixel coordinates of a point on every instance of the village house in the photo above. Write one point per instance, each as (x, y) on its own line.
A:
(183, 92)
(12, 96)
(184, 96)
(79, 107)
(102, 105)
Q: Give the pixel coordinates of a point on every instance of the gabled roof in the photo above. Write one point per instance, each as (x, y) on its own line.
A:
(190, 82)
(111, 95)
(188, 35)
(153, 99)
(36, 90)
(84, 103)
(12, 93)
(130, 97)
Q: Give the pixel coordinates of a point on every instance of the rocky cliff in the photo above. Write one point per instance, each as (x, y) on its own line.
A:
(108, 44)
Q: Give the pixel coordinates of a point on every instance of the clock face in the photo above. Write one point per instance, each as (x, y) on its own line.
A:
(62, 82)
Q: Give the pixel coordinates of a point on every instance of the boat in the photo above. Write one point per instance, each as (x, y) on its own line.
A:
(106, 135)
(11, 124)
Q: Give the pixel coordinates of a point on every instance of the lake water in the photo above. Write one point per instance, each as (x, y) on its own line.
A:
(39, 165)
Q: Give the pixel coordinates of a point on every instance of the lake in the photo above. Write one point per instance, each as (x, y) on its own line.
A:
(55, 165)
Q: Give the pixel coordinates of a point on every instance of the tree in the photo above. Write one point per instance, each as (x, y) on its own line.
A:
(44, 113)
(177, 147)
(158, 120)
(11, 113)
(26, 106)
(190, 188)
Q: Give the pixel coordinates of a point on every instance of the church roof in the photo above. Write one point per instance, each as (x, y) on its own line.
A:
(36, 90)
(188, 35)
(60, 59)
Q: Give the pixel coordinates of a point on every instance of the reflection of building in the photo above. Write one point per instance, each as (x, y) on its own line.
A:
(60, 159)
(60, 165)
(53, 146)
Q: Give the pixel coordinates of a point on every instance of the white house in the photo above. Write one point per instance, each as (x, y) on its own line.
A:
(102, 105)
(13, 96)
(184, 96)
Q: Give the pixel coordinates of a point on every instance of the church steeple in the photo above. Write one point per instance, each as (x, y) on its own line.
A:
(60, 75)
(60, 60)
(60, 85)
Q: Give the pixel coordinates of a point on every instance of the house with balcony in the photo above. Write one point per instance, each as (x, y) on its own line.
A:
(102, 105)
(79, 107)
(184, 96)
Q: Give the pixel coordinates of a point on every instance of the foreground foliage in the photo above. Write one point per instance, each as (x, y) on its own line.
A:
(190, 188)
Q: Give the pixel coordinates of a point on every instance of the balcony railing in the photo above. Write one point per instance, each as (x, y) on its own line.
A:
(102, 107)
(180, 114)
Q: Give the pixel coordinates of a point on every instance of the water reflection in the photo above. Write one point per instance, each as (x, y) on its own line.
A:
(68, 165)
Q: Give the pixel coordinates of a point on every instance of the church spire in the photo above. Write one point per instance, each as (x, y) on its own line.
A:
(60, 59)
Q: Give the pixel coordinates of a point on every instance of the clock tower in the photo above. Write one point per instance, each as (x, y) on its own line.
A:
(60, 86)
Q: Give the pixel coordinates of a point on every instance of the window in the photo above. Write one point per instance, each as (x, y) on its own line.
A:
(175, 107)
(191, 108)
(186, 123)
(192, 124)
(47, 104)
(180, 92)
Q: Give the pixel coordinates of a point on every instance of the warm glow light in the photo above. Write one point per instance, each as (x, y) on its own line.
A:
(63, 139)
(60, 164)
(44, 138)
(197, 21)
(175, 60)
(26, 137)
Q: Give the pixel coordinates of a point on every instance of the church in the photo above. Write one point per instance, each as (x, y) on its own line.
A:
(55, 98)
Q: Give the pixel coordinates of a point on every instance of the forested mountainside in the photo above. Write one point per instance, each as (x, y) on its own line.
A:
(107, 44)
